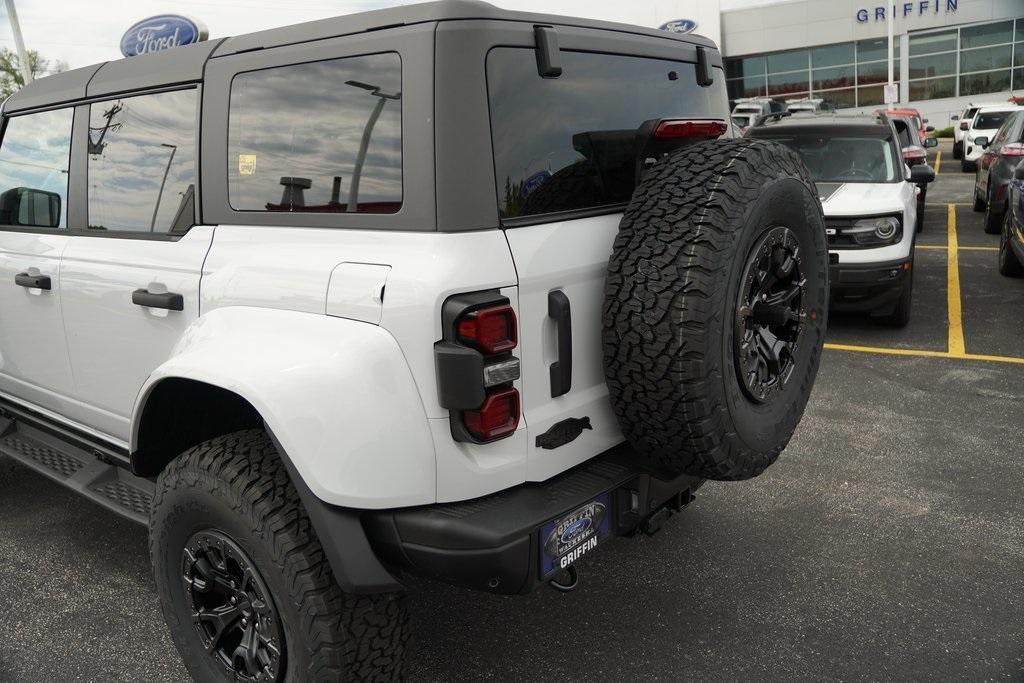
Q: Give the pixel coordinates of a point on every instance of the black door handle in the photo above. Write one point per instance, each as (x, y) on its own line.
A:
(561, 370)
(168, 300)
(32, 281)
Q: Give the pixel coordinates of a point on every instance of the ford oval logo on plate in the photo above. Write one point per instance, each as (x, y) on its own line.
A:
(679, 26)
(161, 33)
(575, 529)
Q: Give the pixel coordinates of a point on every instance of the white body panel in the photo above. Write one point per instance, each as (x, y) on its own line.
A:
(874, 199)
(336, 393)
(33, 352)
(113, 343)
(571, 256)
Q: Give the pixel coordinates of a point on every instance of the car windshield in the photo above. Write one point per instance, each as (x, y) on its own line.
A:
(842, 158)
(970, 112)
(991, 119)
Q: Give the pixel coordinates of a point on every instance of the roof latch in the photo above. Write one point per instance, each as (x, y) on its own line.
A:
(704, 75)
(549, 62)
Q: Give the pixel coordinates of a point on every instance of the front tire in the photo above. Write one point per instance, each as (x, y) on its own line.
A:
(993, 215)
(1009, 264)
(968, 166)
(244, 584)
(715, 308)
(958, 150)
(900, 315)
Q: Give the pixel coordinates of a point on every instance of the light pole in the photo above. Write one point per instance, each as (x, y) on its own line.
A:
(19, 42)
(156, 209)
(357, 171)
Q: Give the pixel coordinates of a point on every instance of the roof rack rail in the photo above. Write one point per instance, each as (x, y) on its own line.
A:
(771, 115)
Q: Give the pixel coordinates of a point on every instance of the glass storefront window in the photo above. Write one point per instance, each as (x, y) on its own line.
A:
(784, 84)
(838, 77)
(1018, 79)
(928, 43)
(787, 61)
(876, 48)
(933, 88)
(746, 87)
(868, 96)
(986, 34)
(838, 98)
(990, 81)
(832, 55)
(875, 72)
(933, 65)
(744, 66)
(985, 59)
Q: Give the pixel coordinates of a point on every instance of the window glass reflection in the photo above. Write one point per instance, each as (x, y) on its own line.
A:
(34, 169)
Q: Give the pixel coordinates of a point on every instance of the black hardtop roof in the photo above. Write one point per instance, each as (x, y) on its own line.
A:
(185, 64)
(822, 122)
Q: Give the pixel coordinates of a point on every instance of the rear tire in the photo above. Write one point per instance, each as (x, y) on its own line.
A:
(709, 229)
(1009, 264)
(979, 202)
(993, 215)
(968, 166)
(227, 507)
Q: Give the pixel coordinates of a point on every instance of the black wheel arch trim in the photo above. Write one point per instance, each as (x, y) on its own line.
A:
(356, 567)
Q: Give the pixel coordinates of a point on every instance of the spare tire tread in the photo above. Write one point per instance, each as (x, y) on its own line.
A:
(662, 375)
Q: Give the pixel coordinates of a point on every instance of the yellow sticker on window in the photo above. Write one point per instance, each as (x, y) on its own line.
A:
(246, 164)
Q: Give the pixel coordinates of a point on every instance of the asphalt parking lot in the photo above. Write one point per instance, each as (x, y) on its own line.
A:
(887, 543)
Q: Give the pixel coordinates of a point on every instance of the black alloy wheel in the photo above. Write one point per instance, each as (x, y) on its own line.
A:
(769, 315)
(232, 609)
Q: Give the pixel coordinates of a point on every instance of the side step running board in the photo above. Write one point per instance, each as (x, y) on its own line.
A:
(113, 487)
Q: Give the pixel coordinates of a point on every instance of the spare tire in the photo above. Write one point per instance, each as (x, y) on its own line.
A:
(716, 303)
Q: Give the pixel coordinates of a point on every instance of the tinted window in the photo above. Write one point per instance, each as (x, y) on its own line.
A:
(142, 156)
(318, 137)
(34, 169)
(568, 143)
(845, 158)
(992, 119)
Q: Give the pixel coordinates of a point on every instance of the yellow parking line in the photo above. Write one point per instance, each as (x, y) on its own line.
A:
(938, 160)
(943, 247)
(923, 353)
(956, 323)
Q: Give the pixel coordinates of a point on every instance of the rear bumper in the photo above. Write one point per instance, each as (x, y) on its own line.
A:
(868, 287)
(493, 543)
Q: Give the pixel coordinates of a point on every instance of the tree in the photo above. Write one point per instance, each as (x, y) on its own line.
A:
(10, 69)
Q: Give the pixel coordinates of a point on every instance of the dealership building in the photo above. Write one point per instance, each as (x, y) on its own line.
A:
(947, 52)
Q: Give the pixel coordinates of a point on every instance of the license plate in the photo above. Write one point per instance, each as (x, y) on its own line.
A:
(571, 536)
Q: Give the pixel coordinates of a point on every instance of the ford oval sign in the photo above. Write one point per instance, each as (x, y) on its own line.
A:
(679, 26)
(161, 33)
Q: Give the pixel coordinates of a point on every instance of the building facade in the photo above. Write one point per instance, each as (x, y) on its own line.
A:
(947, 52)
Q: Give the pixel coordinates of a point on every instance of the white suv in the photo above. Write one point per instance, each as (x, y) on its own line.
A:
(442, 289)
(983, 127)
(869, 197)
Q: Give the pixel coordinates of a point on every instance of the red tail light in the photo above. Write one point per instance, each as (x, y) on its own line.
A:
(699, 128)
(491, 330)
(964, 125)
(1013, 149)
(497, 417)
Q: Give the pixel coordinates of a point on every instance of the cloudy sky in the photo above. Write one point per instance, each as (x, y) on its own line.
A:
(84, 32)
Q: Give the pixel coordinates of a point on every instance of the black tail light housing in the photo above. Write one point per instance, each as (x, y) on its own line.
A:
(475, 366)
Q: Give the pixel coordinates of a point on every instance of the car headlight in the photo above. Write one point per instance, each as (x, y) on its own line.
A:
(876, 231)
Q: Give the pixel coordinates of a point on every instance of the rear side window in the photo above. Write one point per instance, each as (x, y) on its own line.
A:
(568, 143)
(318, 137)
(142, 163)
(34, 170)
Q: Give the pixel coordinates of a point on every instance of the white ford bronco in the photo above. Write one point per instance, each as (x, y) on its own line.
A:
(439, 289)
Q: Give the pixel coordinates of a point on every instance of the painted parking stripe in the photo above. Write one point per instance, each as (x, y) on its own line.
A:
(938, 161)
(943, 247)
(924, 353)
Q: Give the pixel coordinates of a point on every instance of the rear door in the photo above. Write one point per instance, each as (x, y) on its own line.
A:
(565, 162)
(34, 170)
(130, 282)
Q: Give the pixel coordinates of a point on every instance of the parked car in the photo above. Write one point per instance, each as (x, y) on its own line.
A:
(983, 126)
(915, 153)
(961, 122)
(869, 197)
(746, 110)
(914, 115)
(995, 170)
(809, 104)
(306, 343)
(1011, 240)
